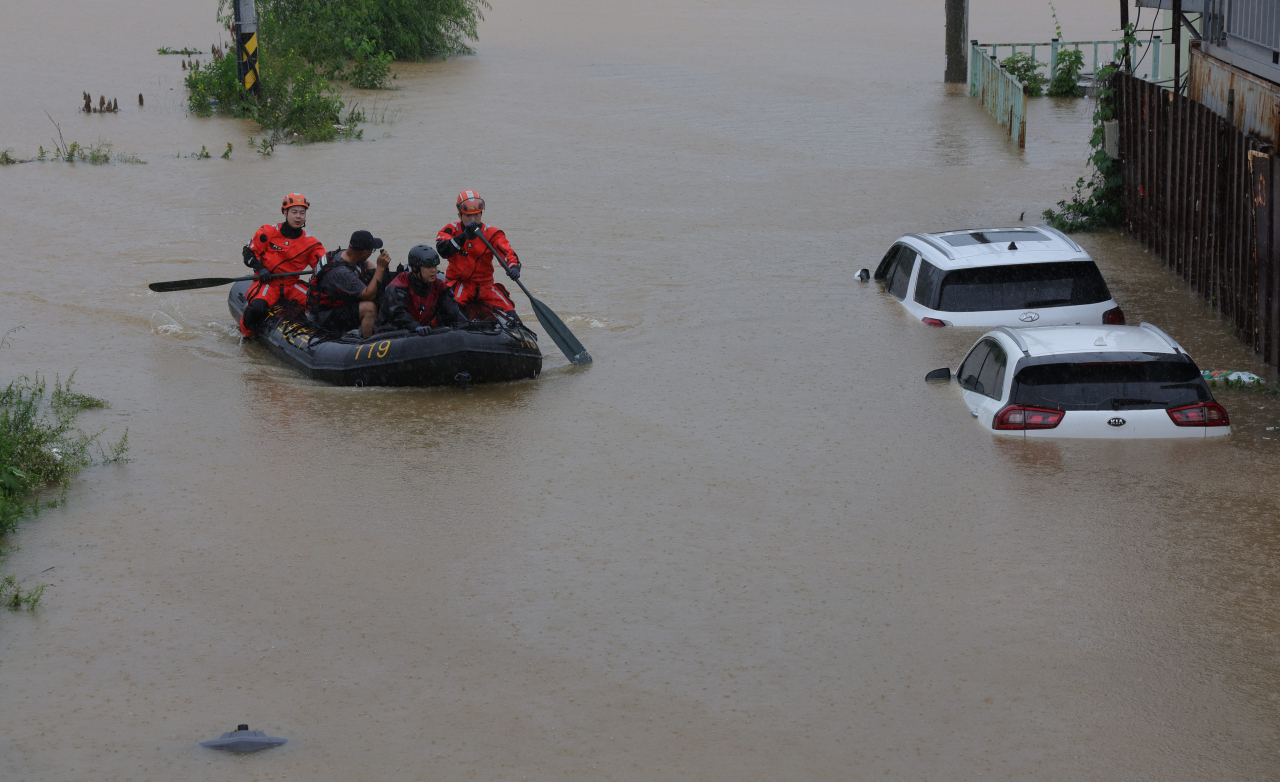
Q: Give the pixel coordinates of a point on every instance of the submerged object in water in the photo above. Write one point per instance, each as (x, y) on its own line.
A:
(481, 352)
(1232, 375)
(244, 740)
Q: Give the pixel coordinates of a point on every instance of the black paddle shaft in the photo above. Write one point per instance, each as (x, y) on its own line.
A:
(560, 333)
(213, 282)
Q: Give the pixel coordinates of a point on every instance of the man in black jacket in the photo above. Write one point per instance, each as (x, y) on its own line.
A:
(418, 299)
(342, 292)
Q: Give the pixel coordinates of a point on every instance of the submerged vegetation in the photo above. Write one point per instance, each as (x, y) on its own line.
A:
(1026, 69)
(42, 448)
(305, 46)
(97, 153)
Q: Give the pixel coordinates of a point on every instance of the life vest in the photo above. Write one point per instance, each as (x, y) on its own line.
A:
(319, 300)
(474, 264)
(422, 307)
(281, 255)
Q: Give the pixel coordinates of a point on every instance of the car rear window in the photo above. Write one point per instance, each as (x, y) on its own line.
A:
(994, 237)
(1110, 385)
(1020, 287)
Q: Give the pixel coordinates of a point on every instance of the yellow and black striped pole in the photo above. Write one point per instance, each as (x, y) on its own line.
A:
(247, 46)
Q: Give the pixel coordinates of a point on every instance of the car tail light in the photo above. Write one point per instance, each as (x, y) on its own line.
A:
(1200, 414)
(1023, 417)
(1113, 317)
(933, 322)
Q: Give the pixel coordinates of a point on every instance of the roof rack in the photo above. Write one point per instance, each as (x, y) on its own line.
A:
(1071, 242)
(1159, 331)
(932, 242)
(1016, 337)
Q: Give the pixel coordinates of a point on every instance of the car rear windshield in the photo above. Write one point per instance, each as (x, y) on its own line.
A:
(1110, 385)
(995, 237)
(1021, 287)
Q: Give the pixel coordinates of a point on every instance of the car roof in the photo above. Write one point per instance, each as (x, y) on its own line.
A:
(1055, 340)
(975, 247)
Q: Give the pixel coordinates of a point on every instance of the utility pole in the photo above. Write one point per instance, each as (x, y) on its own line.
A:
(1125, 63)
(247, 46)
(957, 41)
(1177, 47)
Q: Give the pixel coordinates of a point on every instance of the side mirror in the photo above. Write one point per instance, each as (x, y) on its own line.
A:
(939, 374)
(864, 275)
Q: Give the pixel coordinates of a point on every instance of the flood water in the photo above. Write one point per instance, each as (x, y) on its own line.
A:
(748, 542)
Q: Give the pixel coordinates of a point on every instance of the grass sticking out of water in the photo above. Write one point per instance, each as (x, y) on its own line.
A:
(41, 448)
(15, 598)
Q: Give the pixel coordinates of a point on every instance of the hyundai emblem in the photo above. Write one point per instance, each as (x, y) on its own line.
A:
(1029, 317)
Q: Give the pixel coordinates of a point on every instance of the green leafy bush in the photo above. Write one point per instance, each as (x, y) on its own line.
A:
(1064, 83)
(1026, 69)
(320, 30)
(295, 97)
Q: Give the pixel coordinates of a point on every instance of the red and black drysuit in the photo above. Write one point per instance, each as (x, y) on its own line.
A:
(333, 300)
(277, 249)
(470, 272)
(409, 303)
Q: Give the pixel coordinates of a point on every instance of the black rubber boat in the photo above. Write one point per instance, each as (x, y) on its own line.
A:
(479, 353)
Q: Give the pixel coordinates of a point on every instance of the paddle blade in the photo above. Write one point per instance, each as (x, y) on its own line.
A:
(190, 285)
(560, 333)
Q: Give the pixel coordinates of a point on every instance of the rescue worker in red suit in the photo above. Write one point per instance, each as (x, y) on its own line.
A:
(470, 272)
(277, 249)
(417, 299)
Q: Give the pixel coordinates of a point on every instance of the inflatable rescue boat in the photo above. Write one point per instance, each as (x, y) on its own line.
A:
(482, 352)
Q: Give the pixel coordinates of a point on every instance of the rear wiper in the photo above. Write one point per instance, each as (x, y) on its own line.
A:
(1119, 402)
(1047, 303)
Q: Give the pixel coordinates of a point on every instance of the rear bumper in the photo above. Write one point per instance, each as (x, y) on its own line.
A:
(1125, 425)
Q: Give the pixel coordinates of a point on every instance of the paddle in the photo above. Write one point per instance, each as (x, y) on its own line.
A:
(212, 282)
(560, 333)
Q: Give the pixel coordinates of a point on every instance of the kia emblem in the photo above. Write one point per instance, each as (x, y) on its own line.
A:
(1116, 422)
(1029, 317)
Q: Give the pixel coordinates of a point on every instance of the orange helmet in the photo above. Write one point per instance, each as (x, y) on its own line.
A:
(470, 202)
(295, 199)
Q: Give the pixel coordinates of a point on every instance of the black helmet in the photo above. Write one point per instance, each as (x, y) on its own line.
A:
(423, 255)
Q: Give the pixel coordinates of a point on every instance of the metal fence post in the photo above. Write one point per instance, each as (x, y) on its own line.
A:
(1053, 58)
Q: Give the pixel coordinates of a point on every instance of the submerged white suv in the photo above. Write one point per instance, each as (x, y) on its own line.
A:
(998, 277)
(1087, 381)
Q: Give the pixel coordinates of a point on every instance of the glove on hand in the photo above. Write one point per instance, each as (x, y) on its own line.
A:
(471, 230)
(513, 271)
(447, 248)
(264, 276)
(422, 331)
(250, 259)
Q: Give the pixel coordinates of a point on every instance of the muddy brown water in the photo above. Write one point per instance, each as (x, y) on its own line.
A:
(749, 542)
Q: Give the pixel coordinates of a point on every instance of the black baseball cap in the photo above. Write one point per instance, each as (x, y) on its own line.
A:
(363, 240)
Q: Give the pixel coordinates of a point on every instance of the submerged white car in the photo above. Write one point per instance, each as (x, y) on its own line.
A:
(998, 277)
(1086, 381)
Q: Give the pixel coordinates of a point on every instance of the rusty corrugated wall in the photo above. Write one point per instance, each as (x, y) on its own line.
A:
(1247, 101)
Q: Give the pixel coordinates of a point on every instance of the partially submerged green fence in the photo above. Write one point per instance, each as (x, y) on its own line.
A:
(1003, 96)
